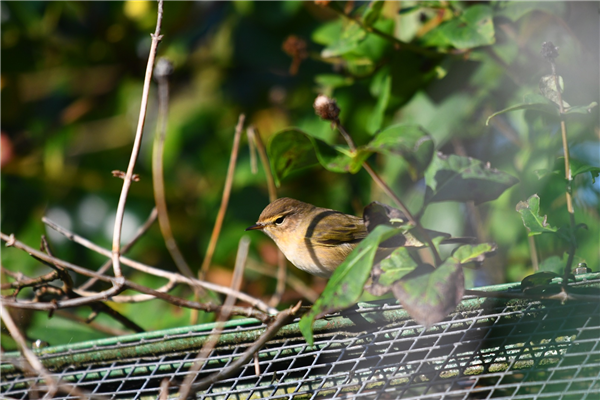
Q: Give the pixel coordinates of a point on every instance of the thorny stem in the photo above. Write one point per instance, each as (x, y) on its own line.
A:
(416, 223)
(116, 244)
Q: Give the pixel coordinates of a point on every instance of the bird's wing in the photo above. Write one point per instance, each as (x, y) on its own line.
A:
(334, 232)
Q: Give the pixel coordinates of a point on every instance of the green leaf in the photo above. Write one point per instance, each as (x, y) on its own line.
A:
(577, 168)
(473, 28)
(293, 149)
(372, 13)
(456, 178)
(290, 151)
(537, 102)
(554, 264)
(548, 89)
(346, 284)
(428, 294)
(530, 102)
(411, 142)
(473, 253)
(393, 268)
(538, 279)
(581, 109)
(533, 221)
(514, 10)
(328, 33)
(382, 92)
(351, 36)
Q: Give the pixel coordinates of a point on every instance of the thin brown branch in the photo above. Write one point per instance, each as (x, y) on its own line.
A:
(164, 389)
(139, 233)
(62, 274)
(158, 272)
(533, 252)
(67, 291)
(27, 353)
(136, 298)
(550, 52)
(224, 199)
(281, 319)
(23, 281)
(569, 179)
(163, 69)
(243, 311)
(213, 339)
(254, 136)
(116, 243)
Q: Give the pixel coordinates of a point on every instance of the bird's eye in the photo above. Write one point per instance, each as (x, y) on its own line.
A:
(279, 220)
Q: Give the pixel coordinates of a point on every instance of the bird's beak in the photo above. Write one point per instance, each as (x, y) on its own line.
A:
(255, 227)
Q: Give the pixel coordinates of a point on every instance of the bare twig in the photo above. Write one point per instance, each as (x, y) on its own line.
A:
(213, 339)
(245, 311)
(533, 251)
(116, 243)
(143, 229)
(254, 137)
(282, 319)
(164, 389)
(158, 272)
(27, 353)
(23, 281)
(224, 200)
(62, 274)
(163, 69)
(136, 298)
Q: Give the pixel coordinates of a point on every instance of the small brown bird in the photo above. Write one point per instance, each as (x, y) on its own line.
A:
(314, 239)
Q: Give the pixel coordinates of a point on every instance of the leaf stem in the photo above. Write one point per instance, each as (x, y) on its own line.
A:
(568, 176)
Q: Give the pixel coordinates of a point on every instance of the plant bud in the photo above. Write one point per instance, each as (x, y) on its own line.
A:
(326, 108)
(549, 51)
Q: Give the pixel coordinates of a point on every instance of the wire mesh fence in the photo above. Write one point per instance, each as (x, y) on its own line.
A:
(487, 349)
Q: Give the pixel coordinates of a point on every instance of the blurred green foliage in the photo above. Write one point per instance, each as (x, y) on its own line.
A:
(71, 86)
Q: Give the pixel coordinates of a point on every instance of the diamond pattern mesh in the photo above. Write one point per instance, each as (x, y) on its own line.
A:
(487, 349)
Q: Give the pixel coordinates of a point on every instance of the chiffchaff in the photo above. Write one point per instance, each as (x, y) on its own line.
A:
(314, 239)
